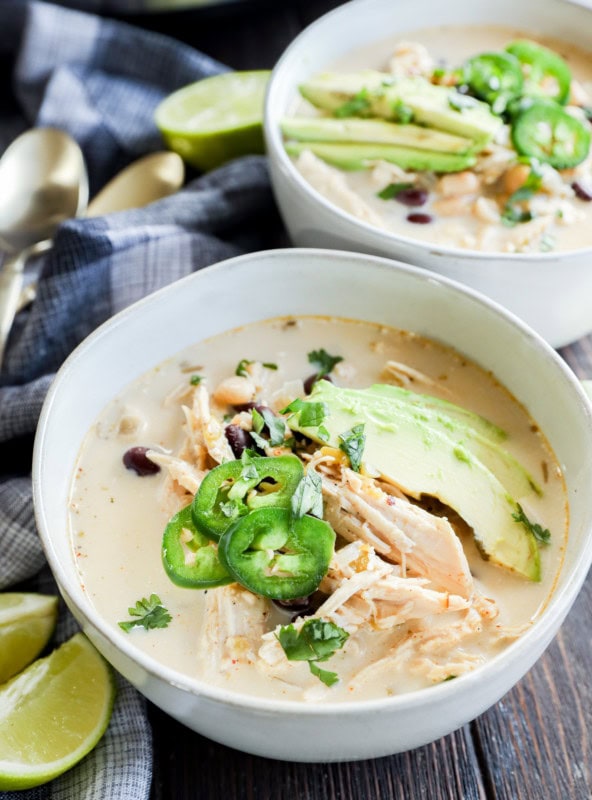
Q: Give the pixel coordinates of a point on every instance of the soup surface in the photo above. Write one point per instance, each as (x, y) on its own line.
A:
(477, 207)
(422, 621)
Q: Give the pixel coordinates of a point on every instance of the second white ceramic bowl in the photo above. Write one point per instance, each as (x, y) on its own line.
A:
(550, 291)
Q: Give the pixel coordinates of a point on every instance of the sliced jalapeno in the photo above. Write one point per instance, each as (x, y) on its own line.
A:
(276, 556)
(235, 488)
(545, 72)
(548, 133)
(495, 78)
(190, 558)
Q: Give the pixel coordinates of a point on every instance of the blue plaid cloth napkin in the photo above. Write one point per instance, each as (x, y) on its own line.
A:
(101, 81)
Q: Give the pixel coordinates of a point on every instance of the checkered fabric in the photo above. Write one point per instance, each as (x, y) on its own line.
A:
(101, 80)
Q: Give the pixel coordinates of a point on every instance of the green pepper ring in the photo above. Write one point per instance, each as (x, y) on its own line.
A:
(300, 550)
(206, 571)
(529, 129)
(542, 62)
(208, 507)
(483, 71)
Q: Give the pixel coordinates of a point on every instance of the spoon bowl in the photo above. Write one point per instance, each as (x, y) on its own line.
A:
(44, 182)
(148, 179)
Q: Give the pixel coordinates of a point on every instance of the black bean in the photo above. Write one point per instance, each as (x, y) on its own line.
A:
(414, 196)
(419, 218)
(135, 458)
(238, 439)
(295, 604)
(582, 190)
(312, 379)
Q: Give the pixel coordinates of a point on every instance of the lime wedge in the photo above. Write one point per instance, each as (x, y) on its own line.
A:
(26, 624)
(53, 714)
(215, 119)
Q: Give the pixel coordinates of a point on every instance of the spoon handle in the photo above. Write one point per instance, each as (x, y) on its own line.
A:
(11, 282)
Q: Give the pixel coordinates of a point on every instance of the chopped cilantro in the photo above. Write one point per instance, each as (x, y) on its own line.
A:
(542, 535)
(229, 509)
(308, 496)
(241, 367)
(392, 190)
(513, 213)
(352, 443)
(270, 365)
(149, 613)
(195, 380)
(354, 107)
(324, 362)
(315, 642)
(311, 414)
(401, 112)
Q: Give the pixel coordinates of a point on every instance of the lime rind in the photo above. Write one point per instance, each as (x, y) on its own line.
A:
(27, 622)
(53, 714)
(216, 119)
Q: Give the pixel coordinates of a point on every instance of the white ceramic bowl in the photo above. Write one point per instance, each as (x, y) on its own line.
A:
(328, 283)
(550, 291)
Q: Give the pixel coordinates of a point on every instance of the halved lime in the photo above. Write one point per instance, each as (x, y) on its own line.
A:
(26, 623)
(215, 119)
(53, 714)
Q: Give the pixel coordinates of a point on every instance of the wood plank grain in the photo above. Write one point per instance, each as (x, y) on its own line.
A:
(188, 765)
(536, 743)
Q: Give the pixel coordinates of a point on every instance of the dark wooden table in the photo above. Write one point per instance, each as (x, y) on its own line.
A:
(535, 743)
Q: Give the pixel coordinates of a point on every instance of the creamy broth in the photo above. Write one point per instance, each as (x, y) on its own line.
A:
(562, 221)
(117, 518)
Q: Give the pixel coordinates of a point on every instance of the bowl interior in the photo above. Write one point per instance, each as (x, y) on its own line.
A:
(307, 282)
(371, 22)
(363, 22)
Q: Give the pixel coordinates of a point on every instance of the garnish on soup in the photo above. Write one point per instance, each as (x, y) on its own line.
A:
(396, 519)
(496, 147)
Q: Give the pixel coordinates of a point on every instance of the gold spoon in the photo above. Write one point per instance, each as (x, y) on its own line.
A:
(146, 180)
(43, 182)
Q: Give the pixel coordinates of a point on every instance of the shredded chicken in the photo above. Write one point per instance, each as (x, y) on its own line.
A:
(406, 376)
(234, 624)
(423, 544)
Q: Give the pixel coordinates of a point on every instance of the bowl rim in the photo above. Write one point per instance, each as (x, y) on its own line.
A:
(559, 603)
(385, 238)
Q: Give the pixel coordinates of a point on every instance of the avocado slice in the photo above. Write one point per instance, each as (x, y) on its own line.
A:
(374, 131)
(381, 95)
(360, 156)
(469, 441)
(421, 457)
(476, 421)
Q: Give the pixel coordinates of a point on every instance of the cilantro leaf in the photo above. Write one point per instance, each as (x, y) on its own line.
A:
(352, 443)
(323, 361)
(401, 112)
(249, 471)
(195, 380)
(316, 641)
(392, 190)
(276, 427)
(328, 678)
(241, 367)
(149, 613)
(311, 414)
(513, 214)
(258, 421)
(541, 534)
(269, 365)
(308, 496)
(229, 509)
(354, 107)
